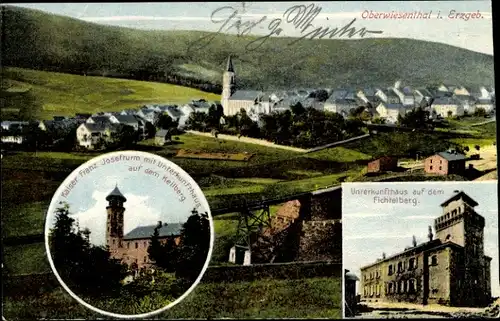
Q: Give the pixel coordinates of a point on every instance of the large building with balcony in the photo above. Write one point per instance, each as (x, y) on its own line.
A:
(450, 269)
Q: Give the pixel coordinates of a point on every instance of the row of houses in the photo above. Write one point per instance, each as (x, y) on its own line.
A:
(92, 129)
(441, 101)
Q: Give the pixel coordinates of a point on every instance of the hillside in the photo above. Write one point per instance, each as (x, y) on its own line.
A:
(64, 94)
(37, 40)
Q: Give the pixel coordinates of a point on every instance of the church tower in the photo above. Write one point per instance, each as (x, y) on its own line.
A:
(228, 86)
(114, 224)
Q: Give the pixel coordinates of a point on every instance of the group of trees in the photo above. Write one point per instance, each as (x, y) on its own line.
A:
(87, 269)
(187, 258)
(299, 126)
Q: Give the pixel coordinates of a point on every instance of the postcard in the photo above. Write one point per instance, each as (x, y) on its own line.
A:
(125, 123)
(426, 249)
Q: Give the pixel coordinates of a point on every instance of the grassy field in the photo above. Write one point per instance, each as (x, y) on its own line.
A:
(266, 298)
(65, 94)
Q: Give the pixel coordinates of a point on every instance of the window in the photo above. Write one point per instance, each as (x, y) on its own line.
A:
(411, 264)
(412, 288)
(145, 259)
(128, 245)
(430, 168)
(371, 275)
(378, 274)
(400, 267)
(389, 290)
(431, 162)
(135, 260)
(440, 167)
(434, 260)
(136, 245)
(440, 161)
(145, 243)
(403, 286)
(114, 241)
(390, 270)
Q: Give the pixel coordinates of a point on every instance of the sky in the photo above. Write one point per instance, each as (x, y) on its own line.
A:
(149, 200)
(474, 34)
(370, 229)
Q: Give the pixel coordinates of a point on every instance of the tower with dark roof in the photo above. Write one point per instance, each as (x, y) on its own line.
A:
(114, 224)
(228, 83)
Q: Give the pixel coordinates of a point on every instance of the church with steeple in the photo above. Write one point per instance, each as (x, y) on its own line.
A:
(233, 100)
(132, 248)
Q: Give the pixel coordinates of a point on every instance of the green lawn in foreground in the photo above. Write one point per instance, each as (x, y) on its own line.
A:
(265, 298)
(65, 94)
(26, 259)
(24, 219)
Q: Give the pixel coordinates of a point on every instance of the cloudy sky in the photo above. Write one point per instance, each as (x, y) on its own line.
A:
(149, 200)
(372, 229)
(473, 34)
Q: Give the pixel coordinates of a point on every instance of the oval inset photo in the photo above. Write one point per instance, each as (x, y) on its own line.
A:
(129, 234)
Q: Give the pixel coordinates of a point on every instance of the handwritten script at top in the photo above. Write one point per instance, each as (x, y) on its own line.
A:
(300, 16)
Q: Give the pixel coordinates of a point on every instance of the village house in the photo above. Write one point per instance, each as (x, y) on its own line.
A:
(98, 119)
(129, 120)
(90, 135)
(387, 96)
(132, 248)
(422, 96)
(367, 95)
(382, 164)
(148, 115)
(390, 112)
(163, 137)
(445, 163)
(461, 91)
(467, 102)
(11, 139)
(405, 95)
(451, 269)
(9, 125)
(341, 106)
(447, 107)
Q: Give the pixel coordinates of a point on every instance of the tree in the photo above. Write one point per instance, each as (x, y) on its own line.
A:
(125, 136)
(319, 95)
(84, 267)
(297, 109)
(164, 121)
(477, 147)
(417, 118)
(215, 113)
(149, 130)
(163, 255)
(197, 121)
(480, 112)
(194, 246)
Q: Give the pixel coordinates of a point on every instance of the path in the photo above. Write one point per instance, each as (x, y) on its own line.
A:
(267, 143)
(249, 140)
(484, 122)
(488, 159)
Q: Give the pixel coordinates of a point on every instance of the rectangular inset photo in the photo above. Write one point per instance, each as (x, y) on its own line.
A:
(427, 249)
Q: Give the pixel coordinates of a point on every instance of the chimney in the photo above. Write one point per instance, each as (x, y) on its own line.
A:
(430, 235)
(414, 241)
(159, 224)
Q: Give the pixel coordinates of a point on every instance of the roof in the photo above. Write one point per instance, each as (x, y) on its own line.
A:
(440, 100)
(452, 156)
(393, 106)
(99, 127)
(162, 133)
(100, 119)
(245, 95)
(430, 245)
(115, 193)
(229, 66)
(459, 195)
(126, 119)
(174, 112)
(484, 101)
(145, 232)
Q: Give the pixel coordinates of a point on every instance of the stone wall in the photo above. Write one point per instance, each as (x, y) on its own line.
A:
(320, 240)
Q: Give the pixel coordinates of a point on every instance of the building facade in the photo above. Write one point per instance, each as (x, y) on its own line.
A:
(445, 163)
(451, 269)
(132, 248)
(383, 164)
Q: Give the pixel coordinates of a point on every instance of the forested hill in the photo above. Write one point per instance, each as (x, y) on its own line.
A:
(38, 40)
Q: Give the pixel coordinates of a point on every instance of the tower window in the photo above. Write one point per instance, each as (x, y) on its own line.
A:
(390, 270)
(400, 267)
(128, 245)
(430, 168)
(145, 244)
(434, 260)
(440, 167)
(145, 259)
(114, 241)
(136, 245)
